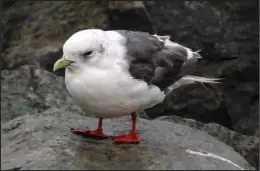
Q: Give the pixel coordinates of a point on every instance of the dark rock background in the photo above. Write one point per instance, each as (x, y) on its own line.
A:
(32, 34)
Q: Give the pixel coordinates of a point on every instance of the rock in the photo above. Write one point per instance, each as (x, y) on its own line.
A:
(223, 30)
(247, 146)
(30, 89)
(43, 141)
(196, 102)
(41, 28)
(32, 31)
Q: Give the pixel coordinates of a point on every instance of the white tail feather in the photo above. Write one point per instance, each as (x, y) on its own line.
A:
(202, 79)
(190, 79)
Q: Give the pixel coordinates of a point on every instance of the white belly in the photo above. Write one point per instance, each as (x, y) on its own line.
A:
(110, 92)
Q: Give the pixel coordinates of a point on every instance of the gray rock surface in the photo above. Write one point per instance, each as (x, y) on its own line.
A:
(247, 146)
(29, 90)
(43, 141)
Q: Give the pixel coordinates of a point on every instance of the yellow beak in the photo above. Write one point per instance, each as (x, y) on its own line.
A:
(61, 63)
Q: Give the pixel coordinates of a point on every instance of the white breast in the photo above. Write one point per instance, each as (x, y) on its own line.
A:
(110, 92)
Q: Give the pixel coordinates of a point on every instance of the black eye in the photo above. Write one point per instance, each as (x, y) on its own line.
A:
(87, 53)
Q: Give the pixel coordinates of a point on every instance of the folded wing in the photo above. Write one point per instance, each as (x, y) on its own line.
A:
(156, 60)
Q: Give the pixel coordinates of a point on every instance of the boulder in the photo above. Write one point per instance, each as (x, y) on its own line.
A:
(223, 30)
(247, 146)
(30, 89)
(43, 141)
(33, 31)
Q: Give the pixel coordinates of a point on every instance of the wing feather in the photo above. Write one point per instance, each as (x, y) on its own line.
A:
(156, 60)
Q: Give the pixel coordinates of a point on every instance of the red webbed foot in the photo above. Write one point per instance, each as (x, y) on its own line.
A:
(130, 138)
(91, 133)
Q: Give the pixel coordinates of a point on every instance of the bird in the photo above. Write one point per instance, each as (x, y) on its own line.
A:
(114, 73)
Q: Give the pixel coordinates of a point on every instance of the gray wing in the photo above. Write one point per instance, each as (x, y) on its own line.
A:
(156, 60)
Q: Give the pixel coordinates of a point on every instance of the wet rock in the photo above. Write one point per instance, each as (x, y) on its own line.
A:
(43, 141)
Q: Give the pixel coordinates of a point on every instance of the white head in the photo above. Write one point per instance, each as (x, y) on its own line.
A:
(86, 46)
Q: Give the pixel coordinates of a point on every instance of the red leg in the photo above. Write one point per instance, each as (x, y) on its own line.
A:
(131, 137)
(93, 133)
